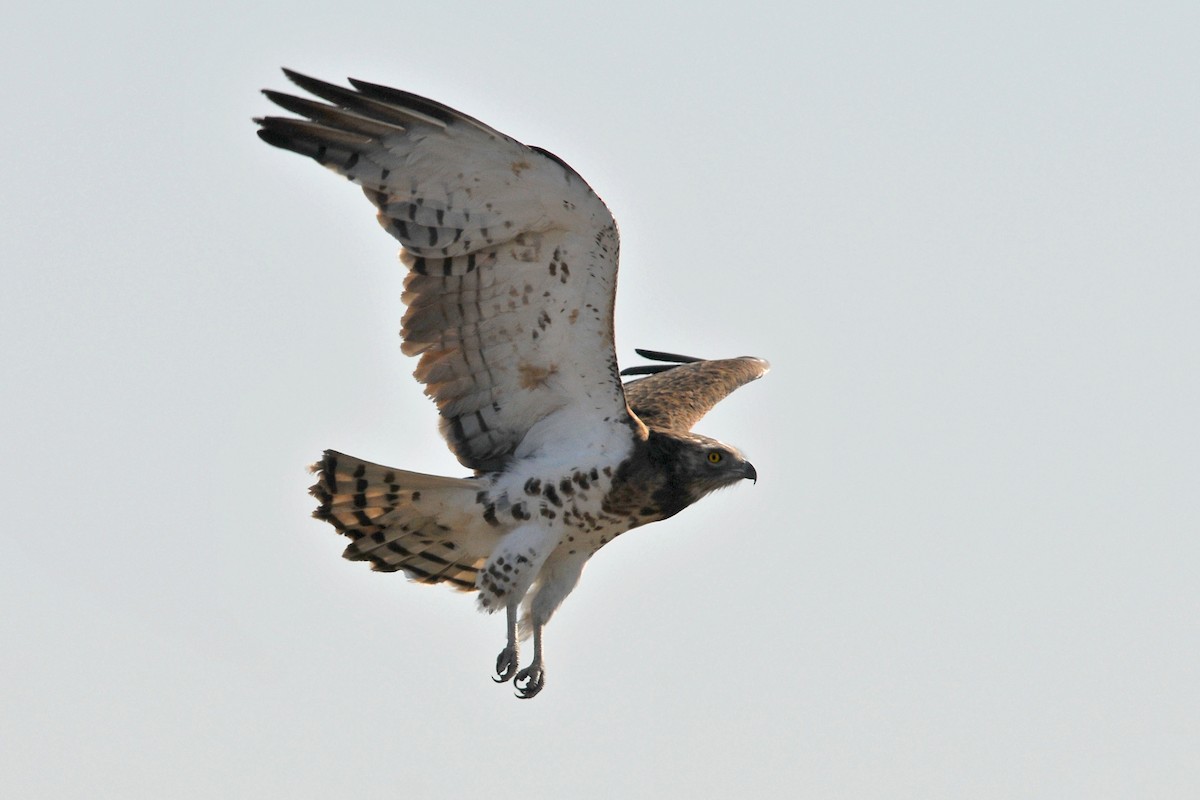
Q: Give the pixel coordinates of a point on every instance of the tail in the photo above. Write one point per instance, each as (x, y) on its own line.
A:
(399, 520)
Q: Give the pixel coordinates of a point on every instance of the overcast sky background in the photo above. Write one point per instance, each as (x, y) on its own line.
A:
(965, 235)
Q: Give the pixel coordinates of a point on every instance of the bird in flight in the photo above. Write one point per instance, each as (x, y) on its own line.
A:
(512, 272)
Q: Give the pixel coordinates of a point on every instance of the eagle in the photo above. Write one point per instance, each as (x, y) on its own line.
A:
(512, 272)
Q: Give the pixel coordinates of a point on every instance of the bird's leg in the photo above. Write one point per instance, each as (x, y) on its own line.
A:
(506, 662)
(530, 680)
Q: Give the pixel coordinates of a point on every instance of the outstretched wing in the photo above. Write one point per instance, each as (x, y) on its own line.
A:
(512, 259)
(676, 394)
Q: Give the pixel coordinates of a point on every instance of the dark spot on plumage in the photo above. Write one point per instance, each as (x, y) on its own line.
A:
(518, 511)
(363, 519)
(547, 513)
(391, 498)
(360, 471)
(489, 515)
(522, 559)
(416, 495)
(533, 486)
(551, 494)
(419, 266)
(565, 487)
(351, 161)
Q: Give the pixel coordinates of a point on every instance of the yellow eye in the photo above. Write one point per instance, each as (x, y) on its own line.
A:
(714, 457)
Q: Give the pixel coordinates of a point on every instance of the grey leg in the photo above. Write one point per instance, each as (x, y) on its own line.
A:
(507, 661)
(530, 680)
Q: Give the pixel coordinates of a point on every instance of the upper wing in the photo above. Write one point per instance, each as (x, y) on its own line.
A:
(512, 258)
(677, 394)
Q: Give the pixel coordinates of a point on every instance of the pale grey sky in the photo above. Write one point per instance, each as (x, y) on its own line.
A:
(965, 235)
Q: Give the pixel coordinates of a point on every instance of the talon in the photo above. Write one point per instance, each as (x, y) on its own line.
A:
(530, 681)
(506, 664)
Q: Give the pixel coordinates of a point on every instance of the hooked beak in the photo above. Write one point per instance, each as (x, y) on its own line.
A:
(750, 472)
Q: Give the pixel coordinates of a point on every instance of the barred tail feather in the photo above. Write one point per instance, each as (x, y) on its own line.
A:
(400, 520)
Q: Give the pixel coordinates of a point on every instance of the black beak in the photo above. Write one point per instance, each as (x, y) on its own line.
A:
(750, 472)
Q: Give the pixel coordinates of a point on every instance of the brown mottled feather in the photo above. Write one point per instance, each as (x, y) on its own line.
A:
(675, 398)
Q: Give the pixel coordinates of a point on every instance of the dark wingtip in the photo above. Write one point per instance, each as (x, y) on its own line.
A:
(659, 355)
(414, 102)
(295, 77)
(273, 138)
(672, 360)
(648, 369)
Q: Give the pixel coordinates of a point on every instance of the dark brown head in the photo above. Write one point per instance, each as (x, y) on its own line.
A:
(693, 466)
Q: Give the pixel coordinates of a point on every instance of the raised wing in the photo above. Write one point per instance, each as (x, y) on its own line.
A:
(512, 258)
(676, 394)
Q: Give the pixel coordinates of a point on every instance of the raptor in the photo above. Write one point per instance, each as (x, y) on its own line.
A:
(512, 272)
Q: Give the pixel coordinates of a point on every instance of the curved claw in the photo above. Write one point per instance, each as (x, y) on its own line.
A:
(530, 681)
(506, 664)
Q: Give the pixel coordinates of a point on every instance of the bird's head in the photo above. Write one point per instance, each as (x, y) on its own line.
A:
(709, 465)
